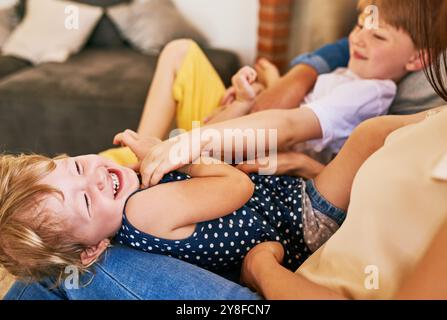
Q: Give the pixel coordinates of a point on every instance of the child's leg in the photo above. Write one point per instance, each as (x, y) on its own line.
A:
(160, 107)
(185, 87)
(198, 89)
(268, 73)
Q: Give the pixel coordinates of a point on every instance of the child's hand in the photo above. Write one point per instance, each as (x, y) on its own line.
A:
(229, 97)
(243, 82)
(168, 156)
(261, 255)
(139, 145)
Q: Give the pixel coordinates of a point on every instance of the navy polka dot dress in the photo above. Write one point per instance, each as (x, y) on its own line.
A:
(274, 213)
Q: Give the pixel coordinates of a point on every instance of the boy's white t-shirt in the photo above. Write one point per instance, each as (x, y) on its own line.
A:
(342, 100)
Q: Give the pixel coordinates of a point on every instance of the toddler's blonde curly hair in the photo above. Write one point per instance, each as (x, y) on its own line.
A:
(34, 243)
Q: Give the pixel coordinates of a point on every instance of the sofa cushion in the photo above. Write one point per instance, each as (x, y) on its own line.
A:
(415, 94)
(8, 19)
(9, 65)
(105, 34)
(150, 25)
(39, 39)
(77, 107)
(77, 102)
(99, 3)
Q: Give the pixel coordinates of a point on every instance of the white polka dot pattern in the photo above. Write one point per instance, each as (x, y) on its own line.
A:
(272, 214)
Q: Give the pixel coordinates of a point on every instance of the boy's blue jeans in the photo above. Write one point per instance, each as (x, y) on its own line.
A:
(127, 274)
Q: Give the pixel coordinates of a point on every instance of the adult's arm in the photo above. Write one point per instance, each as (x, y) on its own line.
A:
(327, 58)
(262, 266)
(291, 89)
(366, 139)
(263, 272)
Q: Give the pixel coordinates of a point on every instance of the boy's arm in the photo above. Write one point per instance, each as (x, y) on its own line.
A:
(287, 163)
(269, 130)
(291, 90)
(236, 109)
(215, 190)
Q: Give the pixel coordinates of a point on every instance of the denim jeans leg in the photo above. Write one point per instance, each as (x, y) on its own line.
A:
(128, 274)
(33, 291)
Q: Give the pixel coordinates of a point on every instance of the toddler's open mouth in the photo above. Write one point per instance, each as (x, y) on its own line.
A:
(117, 184)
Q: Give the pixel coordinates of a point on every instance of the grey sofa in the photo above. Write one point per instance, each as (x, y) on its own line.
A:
(76, 107)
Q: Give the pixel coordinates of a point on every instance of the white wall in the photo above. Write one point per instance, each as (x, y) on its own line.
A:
(228, 24)
(7, 3)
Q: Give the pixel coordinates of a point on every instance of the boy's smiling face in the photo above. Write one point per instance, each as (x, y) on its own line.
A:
(92, 207)
(383, 53)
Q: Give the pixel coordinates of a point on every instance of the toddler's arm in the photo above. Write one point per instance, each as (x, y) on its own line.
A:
(214, 191)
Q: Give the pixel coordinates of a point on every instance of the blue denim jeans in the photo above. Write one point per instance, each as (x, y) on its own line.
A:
(321, 204)
(128, 274)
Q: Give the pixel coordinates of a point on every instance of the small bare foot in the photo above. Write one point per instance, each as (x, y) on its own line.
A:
(243, 82)
(268, 73)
